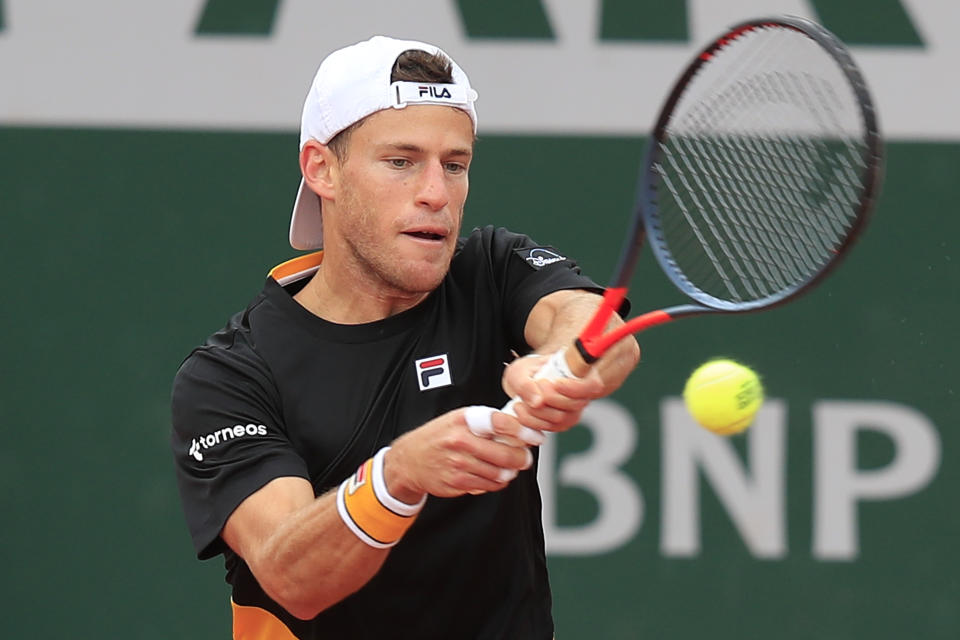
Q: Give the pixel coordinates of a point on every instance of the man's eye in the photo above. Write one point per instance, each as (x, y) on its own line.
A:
(399, 163)
(456, 167)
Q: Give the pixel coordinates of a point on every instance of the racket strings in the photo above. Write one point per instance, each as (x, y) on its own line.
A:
(772, 268)
(720, 172)
(752, 224)
(720, 233)
(767, 244)
(761, 168)
(759, 251)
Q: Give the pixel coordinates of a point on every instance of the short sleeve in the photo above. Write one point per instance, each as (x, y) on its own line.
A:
(228, 439)
(526, 271)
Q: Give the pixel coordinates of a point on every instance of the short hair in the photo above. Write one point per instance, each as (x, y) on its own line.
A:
(413, 65)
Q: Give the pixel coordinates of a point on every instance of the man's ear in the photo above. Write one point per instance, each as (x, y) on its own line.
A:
(320, 169)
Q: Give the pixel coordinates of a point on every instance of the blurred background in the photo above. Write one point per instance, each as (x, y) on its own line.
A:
(148, 164)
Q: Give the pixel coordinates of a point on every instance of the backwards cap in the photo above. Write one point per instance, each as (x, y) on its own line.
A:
(351, 84)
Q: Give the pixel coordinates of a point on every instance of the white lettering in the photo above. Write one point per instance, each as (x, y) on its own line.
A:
(223, 435)
(839, 485)
(597, 471)
(753, 491)
(754, 501)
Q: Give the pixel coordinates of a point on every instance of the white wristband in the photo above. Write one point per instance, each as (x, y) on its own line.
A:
(380, 490)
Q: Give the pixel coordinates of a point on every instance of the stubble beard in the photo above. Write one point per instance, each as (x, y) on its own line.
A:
(376, 264)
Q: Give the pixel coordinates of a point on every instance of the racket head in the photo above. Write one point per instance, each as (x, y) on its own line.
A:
(762, 169)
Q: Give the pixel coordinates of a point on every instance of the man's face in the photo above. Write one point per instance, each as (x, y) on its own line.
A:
(403, 184)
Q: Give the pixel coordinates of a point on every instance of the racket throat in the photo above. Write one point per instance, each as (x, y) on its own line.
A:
(589, 343)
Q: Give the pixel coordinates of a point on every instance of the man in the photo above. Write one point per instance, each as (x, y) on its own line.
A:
(337, 441)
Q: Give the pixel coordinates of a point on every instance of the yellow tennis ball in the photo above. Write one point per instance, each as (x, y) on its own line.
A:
(723, 396)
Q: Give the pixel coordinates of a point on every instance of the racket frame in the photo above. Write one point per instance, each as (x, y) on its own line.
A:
(592, 341)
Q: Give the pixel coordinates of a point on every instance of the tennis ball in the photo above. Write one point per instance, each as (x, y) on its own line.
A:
(723, 396)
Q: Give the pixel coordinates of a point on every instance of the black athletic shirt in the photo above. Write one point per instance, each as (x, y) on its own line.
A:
(280, 392)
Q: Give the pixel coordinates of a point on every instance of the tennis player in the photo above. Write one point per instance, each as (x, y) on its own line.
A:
(337, 441)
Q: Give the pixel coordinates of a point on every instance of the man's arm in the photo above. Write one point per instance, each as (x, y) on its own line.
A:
(276, 531)
(553, 324)
(302, 553)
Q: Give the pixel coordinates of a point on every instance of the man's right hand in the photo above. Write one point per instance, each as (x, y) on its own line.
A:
(445, 458)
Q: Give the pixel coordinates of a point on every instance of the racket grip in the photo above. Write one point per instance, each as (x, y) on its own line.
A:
(556, 367)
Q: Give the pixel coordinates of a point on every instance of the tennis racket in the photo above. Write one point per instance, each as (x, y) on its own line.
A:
(760, 173)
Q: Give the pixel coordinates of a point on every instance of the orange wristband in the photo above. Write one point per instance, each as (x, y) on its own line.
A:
(368, 509)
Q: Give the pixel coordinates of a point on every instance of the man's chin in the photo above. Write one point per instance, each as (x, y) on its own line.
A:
(422, 278)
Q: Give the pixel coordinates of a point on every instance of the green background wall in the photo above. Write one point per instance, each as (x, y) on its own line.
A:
(125, 248)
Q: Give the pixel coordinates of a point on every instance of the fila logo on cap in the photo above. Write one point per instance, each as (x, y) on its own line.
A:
(433, 372)
(433, 92)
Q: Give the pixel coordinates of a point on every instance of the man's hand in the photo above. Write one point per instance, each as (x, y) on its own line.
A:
(445, 458)
(548, 405)
(556, 405)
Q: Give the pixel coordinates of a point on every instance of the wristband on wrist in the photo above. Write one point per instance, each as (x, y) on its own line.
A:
(368, 509)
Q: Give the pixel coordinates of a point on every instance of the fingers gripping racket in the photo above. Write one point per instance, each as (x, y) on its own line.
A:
(760, 173)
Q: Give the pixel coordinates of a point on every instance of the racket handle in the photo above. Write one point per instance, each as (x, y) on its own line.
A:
(557, 366)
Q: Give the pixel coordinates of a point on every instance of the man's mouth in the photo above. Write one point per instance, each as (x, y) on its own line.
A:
(425, 235)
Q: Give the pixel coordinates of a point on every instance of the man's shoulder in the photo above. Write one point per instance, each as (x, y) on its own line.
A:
(231, 348)
(500, 246)
(490, 235)
(490, 243)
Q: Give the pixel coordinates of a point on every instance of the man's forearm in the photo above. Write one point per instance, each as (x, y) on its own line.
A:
(312, 560)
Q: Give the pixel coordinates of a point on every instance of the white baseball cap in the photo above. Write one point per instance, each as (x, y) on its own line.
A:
(351, 84)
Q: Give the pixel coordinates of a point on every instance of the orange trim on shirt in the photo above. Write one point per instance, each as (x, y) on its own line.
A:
(254, 623)
(296, 268)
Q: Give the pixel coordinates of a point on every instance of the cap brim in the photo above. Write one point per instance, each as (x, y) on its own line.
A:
(306, 224)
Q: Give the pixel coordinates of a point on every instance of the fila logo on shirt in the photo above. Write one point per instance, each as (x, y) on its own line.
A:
(433, 372)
